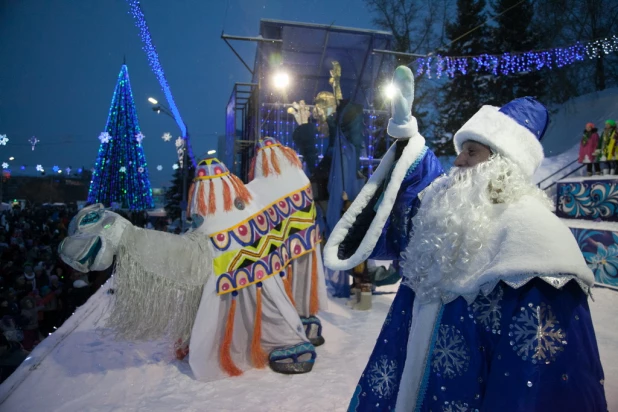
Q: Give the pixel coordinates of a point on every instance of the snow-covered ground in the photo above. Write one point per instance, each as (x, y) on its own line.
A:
(77, 369)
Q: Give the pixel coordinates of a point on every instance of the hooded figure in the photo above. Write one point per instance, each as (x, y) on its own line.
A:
(492, 314)
(277, 170)
(377, 224)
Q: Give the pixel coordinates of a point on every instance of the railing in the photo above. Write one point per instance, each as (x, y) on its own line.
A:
(558, 171)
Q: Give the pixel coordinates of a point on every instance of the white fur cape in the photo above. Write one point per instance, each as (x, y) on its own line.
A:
(412, 151)
(525, 241)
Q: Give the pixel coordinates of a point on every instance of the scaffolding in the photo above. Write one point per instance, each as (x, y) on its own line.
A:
(306, 52)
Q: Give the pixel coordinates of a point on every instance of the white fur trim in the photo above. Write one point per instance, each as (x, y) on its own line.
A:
(410, 154)
(401, 131)
(495, 129)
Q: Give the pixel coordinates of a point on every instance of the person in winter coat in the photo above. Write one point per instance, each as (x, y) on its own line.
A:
(608, 142)
(589, 152)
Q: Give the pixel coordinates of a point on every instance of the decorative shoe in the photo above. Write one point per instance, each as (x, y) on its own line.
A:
(293, 359)
(313, 330)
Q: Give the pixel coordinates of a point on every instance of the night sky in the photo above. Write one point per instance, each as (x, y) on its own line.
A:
(59, 61)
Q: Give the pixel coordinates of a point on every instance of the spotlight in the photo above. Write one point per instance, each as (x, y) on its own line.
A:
(389, 91)
(281, 80)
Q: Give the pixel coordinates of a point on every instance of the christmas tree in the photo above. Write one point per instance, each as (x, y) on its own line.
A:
(464, 95)
(121, 172)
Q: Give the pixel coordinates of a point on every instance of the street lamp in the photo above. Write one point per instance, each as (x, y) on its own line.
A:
(185, 175)
(211, 152)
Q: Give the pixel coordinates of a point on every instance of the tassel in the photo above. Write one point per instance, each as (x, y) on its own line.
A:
(314, 303)
(201, 200)
(258, 356)
(190, 200)
(265, 168)
(251, 174)
(212, 205)
(291, 156)
(241, 190)
(275, 161)
(227, 196)
(225, 357)
(287, 283)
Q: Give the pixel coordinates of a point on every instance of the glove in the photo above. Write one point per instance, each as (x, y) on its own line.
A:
(402, 124)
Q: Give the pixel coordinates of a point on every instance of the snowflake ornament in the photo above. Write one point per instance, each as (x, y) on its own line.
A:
(123, 169)
(487, 310)
(451, 355)
(39, 168)
(139, 137)
(33, 141)
(383, 377)
(175, 166)
(5, 165)
(166, 137)
(140, 169)
(3, 140)
(55, 169)
(105, 137)
(159, 168)
(536, 334)
(180, 142)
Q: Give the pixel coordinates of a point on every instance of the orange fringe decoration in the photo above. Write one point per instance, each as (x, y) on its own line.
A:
(227, 196)
(265, 168)
(212, 204)
(292, 157)
(314, 303)
(241, 190)
(258, 356)
(251, 174)
(275, 161)
(190, 198)
(287, 283)
(201, 201)
(225, 357)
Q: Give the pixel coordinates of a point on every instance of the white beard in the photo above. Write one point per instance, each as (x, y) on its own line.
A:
(455, 223)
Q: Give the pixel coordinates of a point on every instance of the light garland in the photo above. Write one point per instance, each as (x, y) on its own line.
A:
(155, 65)
(511, 63)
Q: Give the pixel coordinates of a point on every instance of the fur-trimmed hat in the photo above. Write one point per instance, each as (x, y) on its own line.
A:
(513, 131)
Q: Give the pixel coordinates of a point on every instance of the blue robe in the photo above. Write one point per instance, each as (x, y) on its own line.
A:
(527, 349)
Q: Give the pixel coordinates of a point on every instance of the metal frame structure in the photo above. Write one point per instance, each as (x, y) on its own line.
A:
(297, 47)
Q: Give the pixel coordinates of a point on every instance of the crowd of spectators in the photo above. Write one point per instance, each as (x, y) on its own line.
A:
(38, 291)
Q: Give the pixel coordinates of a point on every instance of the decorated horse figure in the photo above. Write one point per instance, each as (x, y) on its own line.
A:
(277, 171)
(218, 288)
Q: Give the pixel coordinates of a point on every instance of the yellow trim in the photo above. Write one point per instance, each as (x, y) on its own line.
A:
(261, 211)
(267, 276)
(270, 146)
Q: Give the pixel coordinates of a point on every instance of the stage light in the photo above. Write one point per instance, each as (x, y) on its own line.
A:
(281, 80)
(389, 91)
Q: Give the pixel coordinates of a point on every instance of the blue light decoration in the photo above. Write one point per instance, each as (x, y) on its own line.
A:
(155, 65)
(510, 63)
(130, 189)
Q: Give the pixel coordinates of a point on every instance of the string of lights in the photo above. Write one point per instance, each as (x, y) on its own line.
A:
(157, 68)
(519, 62)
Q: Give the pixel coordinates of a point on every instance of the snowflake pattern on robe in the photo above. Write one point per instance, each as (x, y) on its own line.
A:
(487, 310)
(456, 407)
(536, 334)
(451, 355)
(383, 377)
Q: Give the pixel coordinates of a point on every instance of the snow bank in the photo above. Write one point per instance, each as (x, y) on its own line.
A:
(78, 369)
